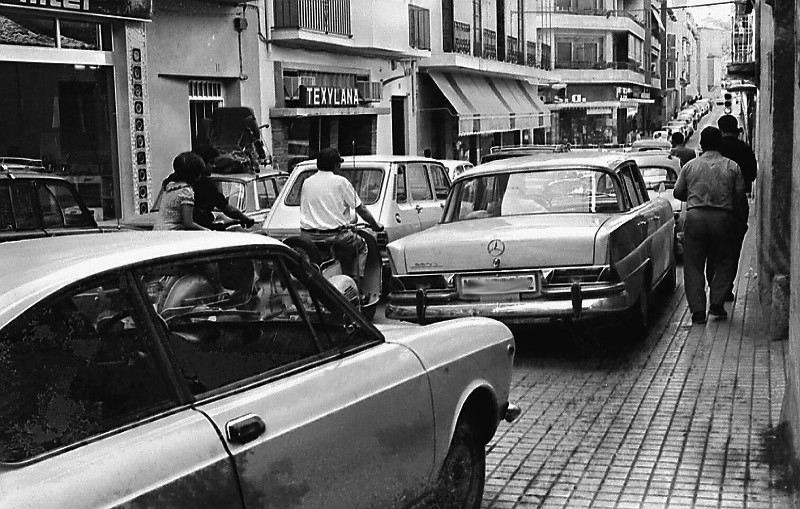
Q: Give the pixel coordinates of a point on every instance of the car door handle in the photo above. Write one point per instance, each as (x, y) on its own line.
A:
(418, 207)
(642, 223)
(657, 217)
(245, 429)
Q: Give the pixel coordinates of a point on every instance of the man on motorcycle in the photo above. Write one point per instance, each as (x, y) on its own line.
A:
(328, 204)
(208, 198)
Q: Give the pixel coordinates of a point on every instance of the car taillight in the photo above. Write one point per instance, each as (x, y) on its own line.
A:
(595, 274)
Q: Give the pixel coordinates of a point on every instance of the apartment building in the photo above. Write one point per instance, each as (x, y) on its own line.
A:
(608, 54)
(485, 81)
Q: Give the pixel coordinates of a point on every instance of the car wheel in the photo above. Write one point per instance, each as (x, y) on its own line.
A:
(463, 474)
(305, 248)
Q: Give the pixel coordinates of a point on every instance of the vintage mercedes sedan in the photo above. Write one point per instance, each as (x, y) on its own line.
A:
(209, 369)
(559, 236)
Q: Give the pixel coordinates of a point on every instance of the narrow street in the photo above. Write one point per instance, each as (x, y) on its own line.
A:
(685, 419)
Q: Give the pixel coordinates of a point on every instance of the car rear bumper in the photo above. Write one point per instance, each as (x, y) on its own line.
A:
(571, 304)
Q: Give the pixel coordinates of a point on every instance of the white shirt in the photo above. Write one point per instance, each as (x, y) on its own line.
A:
(327, 201)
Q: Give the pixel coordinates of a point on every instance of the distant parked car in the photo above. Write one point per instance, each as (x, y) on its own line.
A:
(660, 172)
(203, 369)
(570, 237)
(35, 204)
(662, 143)
(252, 193)
(455, 167)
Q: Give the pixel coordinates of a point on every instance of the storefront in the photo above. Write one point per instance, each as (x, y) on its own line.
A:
(59, 62)
(464, 115)
(601, 115)
(316, 109)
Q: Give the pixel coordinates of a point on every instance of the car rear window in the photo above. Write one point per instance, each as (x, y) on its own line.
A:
(655, 175)
(533, 192)
(366, 181)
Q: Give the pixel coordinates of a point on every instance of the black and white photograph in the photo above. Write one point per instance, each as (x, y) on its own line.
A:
(396, 254)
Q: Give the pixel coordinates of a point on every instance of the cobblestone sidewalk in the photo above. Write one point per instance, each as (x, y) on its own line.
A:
(682, 420)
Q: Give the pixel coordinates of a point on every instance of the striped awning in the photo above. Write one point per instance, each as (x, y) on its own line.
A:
(487, 104)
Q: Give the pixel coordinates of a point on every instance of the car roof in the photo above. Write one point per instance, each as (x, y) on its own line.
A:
(249, 176)
(548, 161)
(11, 174)
(42, 266)
(367, 159)
(655, 158)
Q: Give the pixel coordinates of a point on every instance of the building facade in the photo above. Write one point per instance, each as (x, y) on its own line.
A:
(74, 96)
(608, 53)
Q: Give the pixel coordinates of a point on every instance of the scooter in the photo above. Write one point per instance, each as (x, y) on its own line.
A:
(322, 255)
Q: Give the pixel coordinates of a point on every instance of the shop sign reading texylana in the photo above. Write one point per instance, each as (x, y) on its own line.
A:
(328, 96)
(138, 9)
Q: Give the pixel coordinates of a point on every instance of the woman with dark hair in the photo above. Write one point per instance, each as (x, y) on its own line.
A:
(177, 204)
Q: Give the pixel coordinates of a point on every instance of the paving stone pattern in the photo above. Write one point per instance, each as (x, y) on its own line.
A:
(679, 420)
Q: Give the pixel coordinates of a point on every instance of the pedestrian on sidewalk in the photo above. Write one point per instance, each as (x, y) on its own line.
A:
(710, 185)
(738, 150)
(680, 150)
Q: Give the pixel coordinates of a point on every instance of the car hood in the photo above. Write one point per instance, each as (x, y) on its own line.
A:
(543, 240)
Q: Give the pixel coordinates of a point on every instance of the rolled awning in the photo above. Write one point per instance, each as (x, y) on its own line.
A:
(486, 104)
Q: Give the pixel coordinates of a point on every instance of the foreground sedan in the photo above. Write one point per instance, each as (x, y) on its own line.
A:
(569, 236)
(201, 369)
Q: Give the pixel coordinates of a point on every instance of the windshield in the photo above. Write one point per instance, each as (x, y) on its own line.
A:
(233, 190)
(366, 181)
(655, 175)
(533, 192)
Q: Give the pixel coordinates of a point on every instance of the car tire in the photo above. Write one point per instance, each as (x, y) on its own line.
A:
(463, 475)
(305, 248)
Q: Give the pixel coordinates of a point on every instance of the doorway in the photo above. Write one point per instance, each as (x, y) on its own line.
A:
(398, 125)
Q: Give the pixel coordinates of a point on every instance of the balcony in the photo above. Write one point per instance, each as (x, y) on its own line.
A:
(489, 44)
(743, 60)
(476, 51)
(332, 25)
(602, 72)
(325, 16)
(597, 20)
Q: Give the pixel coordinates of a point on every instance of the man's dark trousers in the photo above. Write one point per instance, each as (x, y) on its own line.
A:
(709, 238)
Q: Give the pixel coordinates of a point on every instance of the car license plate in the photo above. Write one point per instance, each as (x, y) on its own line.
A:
(476, 286)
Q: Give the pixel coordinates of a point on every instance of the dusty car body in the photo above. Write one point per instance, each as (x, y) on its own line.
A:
(570, 236)
(660, 172)
(252, 193)
(404, 193)
(208, 369)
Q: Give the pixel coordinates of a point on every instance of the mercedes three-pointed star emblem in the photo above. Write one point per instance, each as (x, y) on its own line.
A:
(496, 247)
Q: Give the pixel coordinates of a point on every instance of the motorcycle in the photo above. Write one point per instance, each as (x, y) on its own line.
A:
(322, 254)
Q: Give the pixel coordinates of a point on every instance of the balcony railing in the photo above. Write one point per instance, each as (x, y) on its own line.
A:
(489, 44)
(328, 16)
(513, 54)
(461, 37)
(619, 66)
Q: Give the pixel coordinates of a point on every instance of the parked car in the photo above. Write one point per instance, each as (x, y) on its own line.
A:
(404, 193)
(35, 204)
(659, 144)
(252, 193)
(455, 167)
(497, 153)
(162, 369)
(685, 127)
(573, 236)
(660, 172)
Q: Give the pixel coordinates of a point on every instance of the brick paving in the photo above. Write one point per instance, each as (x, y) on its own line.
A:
(677, 421)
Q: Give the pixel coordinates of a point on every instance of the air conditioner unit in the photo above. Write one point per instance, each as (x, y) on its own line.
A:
(576, 98)
(308, 81)
(370, 91)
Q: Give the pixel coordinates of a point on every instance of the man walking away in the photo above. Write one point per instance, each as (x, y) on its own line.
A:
(680, 150)
(710, 185)
(734, 148)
